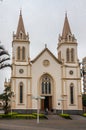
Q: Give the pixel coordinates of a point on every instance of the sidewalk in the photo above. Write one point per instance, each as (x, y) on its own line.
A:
(52, 124)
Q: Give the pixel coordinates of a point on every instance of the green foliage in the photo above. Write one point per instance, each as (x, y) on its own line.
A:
(84, 99)
(41, 116)
(66, 116)
(4, 56)
(84, 114)
(15, 115)
(6, 98)
(24, 116)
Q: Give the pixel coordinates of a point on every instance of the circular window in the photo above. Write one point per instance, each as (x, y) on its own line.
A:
(46, 63)
(21, 71)
(71, 72)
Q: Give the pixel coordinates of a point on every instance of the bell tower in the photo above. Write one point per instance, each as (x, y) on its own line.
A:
(67, 44)
(71, 80)
(21, 74)
(21, 41)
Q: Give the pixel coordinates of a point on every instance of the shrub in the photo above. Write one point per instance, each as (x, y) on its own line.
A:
(15, 115)
(66, 116)
(84, 114)
(6, 116)
(41, 116)
(24, 116)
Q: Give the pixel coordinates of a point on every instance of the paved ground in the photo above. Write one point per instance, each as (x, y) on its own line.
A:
(78, 117)
(53, 123)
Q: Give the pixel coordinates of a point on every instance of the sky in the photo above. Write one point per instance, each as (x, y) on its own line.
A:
(43, 20)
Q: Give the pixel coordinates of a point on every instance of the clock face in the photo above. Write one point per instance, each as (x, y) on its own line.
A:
(71, 72)
(21, 71)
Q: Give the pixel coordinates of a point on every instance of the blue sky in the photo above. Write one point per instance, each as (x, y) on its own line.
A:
(43, 20)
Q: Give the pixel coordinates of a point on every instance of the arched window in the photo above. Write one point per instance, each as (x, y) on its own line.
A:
(23, 53)
(18, 53)
(71, 93)
(21, 92)
(72, 54)
(68, 55)
(46, 85)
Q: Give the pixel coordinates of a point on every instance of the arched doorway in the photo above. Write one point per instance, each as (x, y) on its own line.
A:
(46, 90)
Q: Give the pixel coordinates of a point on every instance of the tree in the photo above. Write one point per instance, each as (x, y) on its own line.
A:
(84, 99)
(6, 98)
(4, 56)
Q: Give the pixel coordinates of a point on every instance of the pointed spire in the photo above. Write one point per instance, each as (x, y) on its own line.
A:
(20, 27)
(66, 27)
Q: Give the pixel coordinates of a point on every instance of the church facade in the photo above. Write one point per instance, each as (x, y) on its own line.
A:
(46, 81)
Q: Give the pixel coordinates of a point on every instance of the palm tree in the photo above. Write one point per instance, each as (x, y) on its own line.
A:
(4, 56)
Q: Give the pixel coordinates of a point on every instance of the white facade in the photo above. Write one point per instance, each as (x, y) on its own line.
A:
(56, 79)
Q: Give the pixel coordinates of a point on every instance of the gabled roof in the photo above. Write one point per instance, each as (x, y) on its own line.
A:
(66, 28)
(20, 27)
(46, 49)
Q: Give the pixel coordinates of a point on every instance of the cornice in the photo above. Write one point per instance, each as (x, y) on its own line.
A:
(71, 66)
(71, 78)
(15, 77)
(20, 40)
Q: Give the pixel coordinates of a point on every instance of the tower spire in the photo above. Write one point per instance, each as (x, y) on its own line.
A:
(66, 27)
(20, 28)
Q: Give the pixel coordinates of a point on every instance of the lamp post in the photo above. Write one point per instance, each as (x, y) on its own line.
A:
(38, 98)
(62, 99)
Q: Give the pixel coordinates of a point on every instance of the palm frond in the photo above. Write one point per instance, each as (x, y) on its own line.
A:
(4, 53)
(1, 47)
(4, 59)
(4, 56)
(5, 65)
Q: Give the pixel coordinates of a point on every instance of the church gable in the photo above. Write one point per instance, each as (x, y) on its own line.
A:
(49, 53)
(46, 62)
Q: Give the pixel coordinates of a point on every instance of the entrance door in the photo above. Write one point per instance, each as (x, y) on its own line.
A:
(46, 91)
(46, 103)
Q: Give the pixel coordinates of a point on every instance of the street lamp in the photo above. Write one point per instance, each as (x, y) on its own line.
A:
(38, 98)
(62, 99)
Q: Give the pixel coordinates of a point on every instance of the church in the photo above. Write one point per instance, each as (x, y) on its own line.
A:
(47, 81)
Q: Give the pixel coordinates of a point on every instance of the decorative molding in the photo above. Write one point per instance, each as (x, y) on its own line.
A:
(22, 77)
(71, 78)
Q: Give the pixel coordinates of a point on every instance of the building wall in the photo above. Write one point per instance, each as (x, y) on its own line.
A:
(46, 64)
(54, 70)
